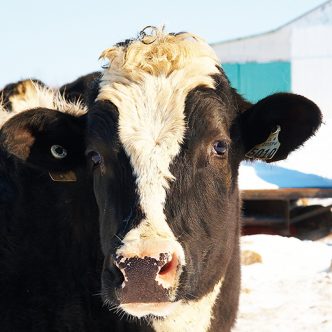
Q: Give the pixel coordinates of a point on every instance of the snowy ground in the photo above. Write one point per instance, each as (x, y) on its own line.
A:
(286, 285)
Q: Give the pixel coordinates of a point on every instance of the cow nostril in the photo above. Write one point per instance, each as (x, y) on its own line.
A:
(169, 266)
(167, 274)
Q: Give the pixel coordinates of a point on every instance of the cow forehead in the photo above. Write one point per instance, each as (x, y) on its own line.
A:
(184, 59)
(148, 82)
(163, 55)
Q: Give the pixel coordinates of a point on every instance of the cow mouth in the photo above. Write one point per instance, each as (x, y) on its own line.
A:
(149, 285)
(159, 309)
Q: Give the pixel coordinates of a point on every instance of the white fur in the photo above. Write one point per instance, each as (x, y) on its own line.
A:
(140, 310)
(190, 316)
(4, 115)
(37, 96)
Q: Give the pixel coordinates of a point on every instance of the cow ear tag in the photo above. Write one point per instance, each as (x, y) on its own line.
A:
(69, 176)
(267, 149)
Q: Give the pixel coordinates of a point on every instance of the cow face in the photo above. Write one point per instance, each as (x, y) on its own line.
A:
(165, 139)
(50, 136)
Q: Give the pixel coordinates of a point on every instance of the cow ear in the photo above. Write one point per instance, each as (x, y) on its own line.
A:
(47, 139)
(277, 125)
(78, 90)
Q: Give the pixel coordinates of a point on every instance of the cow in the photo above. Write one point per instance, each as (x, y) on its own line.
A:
(166, 134)
(163, 139)
(50, 257)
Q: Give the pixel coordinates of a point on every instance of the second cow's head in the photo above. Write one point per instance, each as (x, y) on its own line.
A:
(165, 134)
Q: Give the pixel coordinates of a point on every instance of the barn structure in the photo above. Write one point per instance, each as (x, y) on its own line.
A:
(296, 57)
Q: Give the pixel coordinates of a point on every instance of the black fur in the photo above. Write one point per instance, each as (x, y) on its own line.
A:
(78, 90)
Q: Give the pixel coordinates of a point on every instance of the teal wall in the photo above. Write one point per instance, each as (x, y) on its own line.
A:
(256, 80)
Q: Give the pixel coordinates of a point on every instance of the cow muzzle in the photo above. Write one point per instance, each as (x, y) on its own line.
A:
(150, 277)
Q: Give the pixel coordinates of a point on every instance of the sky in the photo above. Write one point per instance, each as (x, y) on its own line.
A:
(58, 41)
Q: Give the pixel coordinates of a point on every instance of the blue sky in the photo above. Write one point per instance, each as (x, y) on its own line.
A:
(57, 41)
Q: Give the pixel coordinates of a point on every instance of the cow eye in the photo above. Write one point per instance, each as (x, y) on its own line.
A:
(95, 158)
(58, 151)
(220, 148)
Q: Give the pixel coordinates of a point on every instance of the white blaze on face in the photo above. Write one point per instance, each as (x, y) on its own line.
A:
(148, 83)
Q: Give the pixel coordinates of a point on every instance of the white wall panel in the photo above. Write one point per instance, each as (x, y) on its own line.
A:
(313, 42)
(311, 77)
(272, 46)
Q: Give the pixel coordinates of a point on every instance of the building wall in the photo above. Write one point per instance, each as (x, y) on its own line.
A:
(257, 80)
(259, 65)
(311, 73)
(321, 15)
(312, 64)
(296, 58)
(267, 47)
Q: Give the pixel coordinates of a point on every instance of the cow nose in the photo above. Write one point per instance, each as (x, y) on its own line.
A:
(147, 279)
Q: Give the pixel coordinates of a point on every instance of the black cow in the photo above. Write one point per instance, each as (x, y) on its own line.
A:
(165, 136)
(50, 259)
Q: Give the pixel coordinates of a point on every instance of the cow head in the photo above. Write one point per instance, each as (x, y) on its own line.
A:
(44, 130)
(166, 135)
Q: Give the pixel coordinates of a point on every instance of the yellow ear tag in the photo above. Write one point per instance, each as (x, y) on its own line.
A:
(69, 176)
(267, 149)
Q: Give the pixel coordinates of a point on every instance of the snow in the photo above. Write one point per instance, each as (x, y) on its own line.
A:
(260, 175)
(289, 289)
(249, 179)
